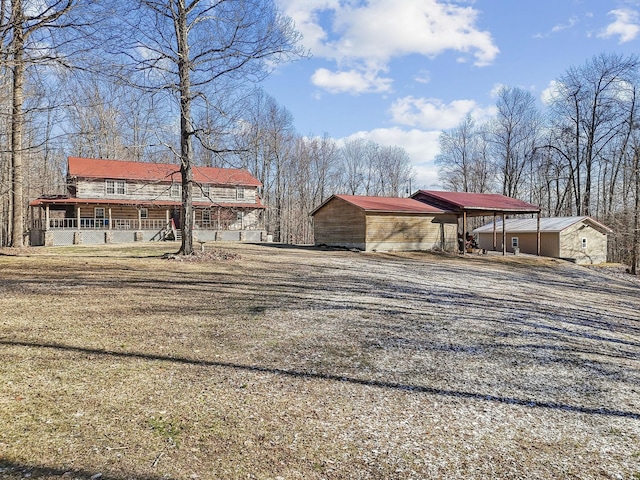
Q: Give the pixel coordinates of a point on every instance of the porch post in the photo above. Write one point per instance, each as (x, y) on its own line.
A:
(78, 217)
(167, 215)
(46, 217)
(139, 219)
(538, 234)
(109, 218)
(504, 236)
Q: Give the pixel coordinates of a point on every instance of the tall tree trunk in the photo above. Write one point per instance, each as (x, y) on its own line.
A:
(636, 215)
(186, 130)
(17, 125)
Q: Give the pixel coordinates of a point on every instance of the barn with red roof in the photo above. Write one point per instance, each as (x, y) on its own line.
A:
(383, 224)
(120, 201)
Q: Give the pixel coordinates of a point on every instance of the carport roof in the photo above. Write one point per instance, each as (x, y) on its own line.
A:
(384, 204)
(474, 203)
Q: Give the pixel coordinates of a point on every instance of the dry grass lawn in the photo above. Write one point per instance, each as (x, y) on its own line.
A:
(291, 363)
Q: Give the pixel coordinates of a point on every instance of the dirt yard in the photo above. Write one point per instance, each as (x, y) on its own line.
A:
(270, 362)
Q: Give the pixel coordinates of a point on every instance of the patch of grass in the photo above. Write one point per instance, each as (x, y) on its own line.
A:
(168, 429)
(302, 363)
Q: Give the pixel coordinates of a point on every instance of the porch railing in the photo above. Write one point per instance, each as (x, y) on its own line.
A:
(135, 224)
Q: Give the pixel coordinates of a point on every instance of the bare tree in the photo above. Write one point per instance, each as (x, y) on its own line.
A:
(463, 160)
(28, 32)
(590, 111)
(514, 137)
(195, 50)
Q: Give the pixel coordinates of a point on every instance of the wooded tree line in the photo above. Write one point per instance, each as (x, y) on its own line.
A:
(170, 81)
(175, 81)
(577, 157)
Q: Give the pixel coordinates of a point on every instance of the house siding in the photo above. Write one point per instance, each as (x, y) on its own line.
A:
(151, 191)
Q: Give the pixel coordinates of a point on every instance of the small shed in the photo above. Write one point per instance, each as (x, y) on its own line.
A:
(582, 240)
(383, 224)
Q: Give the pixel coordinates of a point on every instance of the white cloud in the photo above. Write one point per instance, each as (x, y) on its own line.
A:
(423, 76)
(421, 146)
(351, 81)
(564, 26)
(550, 93)
(626, 25)
(366, 35)
(428, 113)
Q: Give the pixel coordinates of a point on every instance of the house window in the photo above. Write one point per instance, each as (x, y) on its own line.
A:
(98, 212)
(206, 217)
(115, 187)
(206, 190)
(584, 242)
(239, 193)
(144, 213)
(514, 242)
(175, 190)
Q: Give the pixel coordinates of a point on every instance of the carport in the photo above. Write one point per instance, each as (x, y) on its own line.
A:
(466, 204)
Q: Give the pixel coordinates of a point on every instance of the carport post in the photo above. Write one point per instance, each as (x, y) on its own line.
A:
(504, 236)
(538, 234)
(495, 236)
(464, 232)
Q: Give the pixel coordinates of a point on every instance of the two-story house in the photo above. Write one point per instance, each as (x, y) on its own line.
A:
(119, 201)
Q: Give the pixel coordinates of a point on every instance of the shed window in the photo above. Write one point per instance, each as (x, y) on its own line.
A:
(584, 242)
(514, 242)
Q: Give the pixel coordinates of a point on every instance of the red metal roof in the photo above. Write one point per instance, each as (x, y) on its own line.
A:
(156, 172)
(474, 201)
(385, 204)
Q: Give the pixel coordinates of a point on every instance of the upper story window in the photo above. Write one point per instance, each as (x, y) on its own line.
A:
(206, 191)
(175, 190)
(115, 187)
(240, 193)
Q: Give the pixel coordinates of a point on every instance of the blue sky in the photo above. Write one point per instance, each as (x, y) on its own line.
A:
(398, 72)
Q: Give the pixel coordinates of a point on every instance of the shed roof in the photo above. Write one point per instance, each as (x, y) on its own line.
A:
(384, 204)
(156, 172)
(552, 224)
(474, 202)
